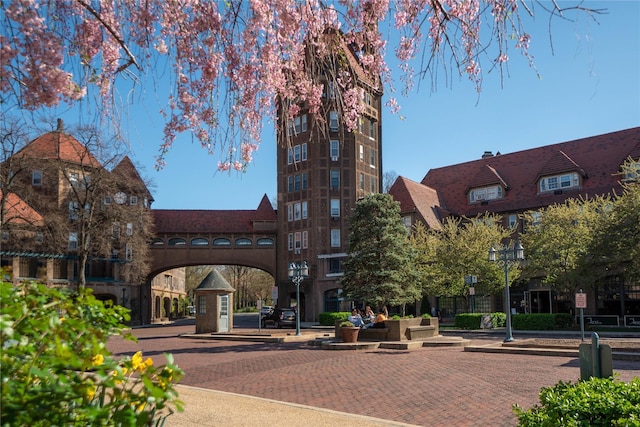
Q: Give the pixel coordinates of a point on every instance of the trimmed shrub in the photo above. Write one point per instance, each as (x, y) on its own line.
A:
(595, 402)
(468, 320)
(328, 318)
(499, 319)
(542, 321)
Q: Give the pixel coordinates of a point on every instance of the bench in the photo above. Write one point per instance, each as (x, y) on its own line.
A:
(421, 332)
(373, 334)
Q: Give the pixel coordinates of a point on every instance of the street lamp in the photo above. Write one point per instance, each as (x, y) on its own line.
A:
(507, 254)
(297, 273)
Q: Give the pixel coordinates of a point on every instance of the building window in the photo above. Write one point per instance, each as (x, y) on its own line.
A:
(297, 213)
(73, 179)
(115, 230)
(335, 179)
(304, 146)
(334, 151)
(298, 240)
(128, 252)
(485, 193)
(296, 153)
(289, 212)
(406, 220)
(133, 200)
(333, 121)
(107, 200)
(202, 304)
(361, 180)
(73, 211)
(305, 240)
(304, 210)
(36, 177)
(372, 157)
(361, 153)
(305, 183)
(221, 241)
(300, 123)
(199, 241)
(559, 182)
(373, 184)
(632, 171)
(243, 241)
(513, 220)
(129, 229)
(335, 265)
(290, 240)
(289, 156)
(265, 241)
(335, 237)
(73, 240)
(297, 183)
(290, 184)
(177, 241)
(335, 208)
(372, 129)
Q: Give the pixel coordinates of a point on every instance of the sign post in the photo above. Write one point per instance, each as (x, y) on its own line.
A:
(259, 314)
(581, 303)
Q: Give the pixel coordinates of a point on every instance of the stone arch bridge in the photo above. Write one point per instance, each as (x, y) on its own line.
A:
(207, 237)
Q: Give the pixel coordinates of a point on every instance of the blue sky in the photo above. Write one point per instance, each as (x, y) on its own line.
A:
(590, 85)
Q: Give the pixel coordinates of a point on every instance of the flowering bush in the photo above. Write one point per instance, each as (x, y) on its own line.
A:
(56, 369)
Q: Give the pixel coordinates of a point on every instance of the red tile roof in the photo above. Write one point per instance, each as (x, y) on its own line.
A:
(17, 211)
(127, 170)
(175, 221)
(418, 198)
(596, 158)
(58, 145)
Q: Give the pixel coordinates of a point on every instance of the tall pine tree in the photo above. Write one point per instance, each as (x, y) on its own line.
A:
(380, 267)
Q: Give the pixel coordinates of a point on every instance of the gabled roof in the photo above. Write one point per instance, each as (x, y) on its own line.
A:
(58, 145)
(127, 170)
(418, 198)
(17, 211)
(597, 159)
(559, 163)
(265, 211)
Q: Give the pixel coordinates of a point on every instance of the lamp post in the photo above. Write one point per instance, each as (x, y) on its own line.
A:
(297, 273)
(507, 254)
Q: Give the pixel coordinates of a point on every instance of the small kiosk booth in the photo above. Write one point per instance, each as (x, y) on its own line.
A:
(214, 304)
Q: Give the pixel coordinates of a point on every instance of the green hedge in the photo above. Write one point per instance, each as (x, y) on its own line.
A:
(541, 321)
(473, 320)
(328, 318)
(593, 402)
(522, 322)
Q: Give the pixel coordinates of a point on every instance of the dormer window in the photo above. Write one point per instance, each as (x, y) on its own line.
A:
(559, 182)
(485, 193)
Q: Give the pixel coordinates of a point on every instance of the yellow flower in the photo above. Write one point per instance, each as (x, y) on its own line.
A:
(148, 362)
(136, 360)
(97, 360)
(91, 391)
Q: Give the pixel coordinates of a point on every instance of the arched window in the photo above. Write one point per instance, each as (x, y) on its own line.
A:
(243, 241)
(199, 241)
(265, 241)
(157, 242)
(177, 241)
(221, 241)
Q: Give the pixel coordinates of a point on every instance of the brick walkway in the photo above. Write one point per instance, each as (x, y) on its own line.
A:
(427, 386)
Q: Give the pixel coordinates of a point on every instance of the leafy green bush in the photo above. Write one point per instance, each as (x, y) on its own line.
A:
(56, 369)
(499, 319)
(542, 321)
(467, 320)
(328, 318)
(594, 402)
(426, 316)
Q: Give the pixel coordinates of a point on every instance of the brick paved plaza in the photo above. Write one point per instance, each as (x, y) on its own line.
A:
(426, 386)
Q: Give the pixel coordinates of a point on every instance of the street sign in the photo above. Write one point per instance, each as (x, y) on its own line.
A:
(581, 300)
(472, 291)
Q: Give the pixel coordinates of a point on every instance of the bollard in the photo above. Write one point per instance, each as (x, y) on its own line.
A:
(595, 354)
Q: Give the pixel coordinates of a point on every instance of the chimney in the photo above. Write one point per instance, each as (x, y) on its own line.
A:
(487, 154)
(60, 126)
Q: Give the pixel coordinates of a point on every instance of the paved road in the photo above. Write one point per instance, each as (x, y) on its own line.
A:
(426, 387)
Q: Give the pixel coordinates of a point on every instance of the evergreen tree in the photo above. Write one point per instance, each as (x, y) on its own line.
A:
(380, 267)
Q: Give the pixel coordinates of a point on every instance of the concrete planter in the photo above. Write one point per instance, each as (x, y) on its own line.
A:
(349, 334)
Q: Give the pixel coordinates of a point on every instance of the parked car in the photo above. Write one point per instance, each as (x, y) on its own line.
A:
(266, 310)
(280, 317)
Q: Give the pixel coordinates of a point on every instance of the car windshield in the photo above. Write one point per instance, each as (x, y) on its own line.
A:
(289, 313)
